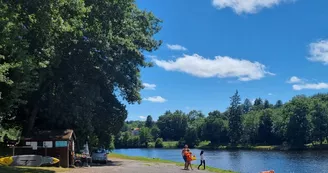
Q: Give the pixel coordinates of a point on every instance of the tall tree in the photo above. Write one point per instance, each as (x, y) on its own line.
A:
(235, 124)
(173, 126)
(278, 104)
(247, 106)
(145, 136)
(258, 104)
(149, 122)
(265, 127)
(319, 116)
(266, 104)
(298, 124)
(191, 137)
(215, 129)
(64, 63)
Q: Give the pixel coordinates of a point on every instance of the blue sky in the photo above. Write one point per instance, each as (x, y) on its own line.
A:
(273, 49)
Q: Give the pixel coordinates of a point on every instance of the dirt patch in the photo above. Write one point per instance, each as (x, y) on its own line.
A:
(131, 166)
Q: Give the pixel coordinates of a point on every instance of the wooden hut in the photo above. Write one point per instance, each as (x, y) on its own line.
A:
(56, 143)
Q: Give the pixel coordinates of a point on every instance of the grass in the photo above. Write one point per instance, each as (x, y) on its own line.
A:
(156, 160)
(23, 169)
(166, 144)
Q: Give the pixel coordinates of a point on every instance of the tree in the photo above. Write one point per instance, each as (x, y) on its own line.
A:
(159, 143)
(63, 64)
(298, 124)
(173, 126)
(250, 128)
(145, 136)
(265, 127)
(149, 122)
(319, 116)
(191, 137)
(278, 104)
(235, 124)
(258, 104)
(215, 129)
(247, 106)
(155, 132)
(266, 104)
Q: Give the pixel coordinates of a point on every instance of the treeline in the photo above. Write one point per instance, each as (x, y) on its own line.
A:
(64, 64)
(302, 120)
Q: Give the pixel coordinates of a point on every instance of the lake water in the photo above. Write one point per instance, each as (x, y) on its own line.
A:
(246, 161)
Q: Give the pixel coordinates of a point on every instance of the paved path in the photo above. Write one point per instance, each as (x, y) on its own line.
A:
(131, 166)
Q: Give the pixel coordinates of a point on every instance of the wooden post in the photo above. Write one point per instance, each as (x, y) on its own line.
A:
(14, 150)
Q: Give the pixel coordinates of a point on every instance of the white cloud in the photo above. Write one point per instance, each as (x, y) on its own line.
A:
(270, 94)
(319, 52)
(176, 47)
(247, 6)
(149, 86)
(313, 86)
(142, 117)
(156, 99)
(295, 79)
(221, 66)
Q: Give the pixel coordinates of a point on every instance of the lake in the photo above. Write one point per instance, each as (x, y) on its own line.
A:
(246, 161)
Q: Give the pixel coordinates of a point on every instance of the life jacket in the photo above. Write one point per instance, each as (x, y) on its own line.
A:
(185, 153)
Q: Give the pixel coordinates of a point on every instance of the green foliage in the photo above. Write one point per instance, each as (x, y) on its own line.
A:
(155, 132)
(173, 126)
(247, 106)
(265, 134)
(235, 124)
(159, 143)
(298, 125)
(191, 137)
(63, 64)
(149, 122)
(145, 136)
(302, 120)
(215, 128)
(319, 118)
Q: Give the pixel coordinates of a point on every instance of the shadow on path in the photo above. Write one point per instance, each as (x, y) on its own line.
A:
(10, 169)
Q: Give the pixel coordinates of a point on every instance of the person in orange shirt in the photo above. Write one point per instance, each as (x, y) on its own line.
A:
(189, 159)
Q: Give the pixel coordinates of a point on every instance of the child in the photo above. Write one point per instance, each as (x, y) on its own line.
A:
(202, 160)
(189, 159)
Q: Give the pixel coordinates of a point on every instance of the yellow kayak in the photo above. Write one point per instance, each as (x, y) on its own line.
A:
(28, 160)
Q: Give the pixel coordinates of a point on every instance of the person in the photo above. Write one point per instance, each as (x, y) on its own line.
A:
(202, 160)
(189, 159)
(184, 155)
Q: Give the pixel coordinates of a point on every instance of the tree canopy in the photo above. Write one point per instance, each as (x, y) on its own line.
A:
(66, 64)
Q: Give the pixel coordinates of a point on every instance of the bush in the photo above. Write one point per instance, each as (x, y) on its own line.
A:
(159, 143)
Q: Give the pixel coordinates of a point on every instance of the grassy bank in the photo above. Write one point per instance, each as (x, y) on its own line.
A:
(21, 169)
(156, 160)
(166, 144)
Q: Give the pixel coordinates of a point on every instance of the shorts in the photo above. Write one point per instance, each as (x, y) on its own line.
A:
(185, 158)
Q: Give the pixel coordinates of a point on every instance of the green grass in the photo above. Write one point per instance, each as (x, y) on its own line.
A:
(166, 144)
(23, 169)
(156, 160)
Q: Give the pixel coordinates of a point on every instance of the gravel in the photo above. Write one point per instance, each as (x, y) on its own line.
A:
(130, 166)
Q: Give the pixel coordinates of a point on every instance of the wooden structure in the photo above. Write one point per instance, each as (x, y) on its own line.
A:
(59, 144)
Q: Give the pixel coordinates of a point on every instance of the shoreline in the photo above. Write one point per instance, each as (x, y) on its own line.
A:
(157, 160)
(207, 146)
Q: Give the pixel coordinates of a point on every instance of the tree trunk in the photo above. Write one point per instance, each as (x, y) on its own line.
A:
(31, 119)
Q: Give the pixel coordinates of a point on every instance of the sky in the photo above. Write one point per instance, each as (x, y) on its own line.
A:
(272, 49)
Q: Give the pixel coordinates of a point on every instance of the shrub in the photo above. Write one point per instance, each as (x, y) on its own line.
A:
(159, 143)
